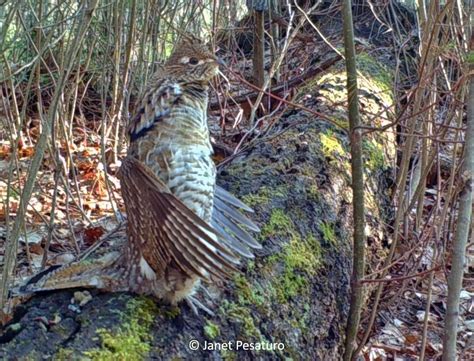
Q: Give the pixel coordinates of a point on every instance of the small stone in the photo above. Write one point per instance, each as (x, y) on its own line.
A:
(43, 320)
(15, 327)
(74, 308)
(55, 320)
(43, 326)
(63, 258)
(420, 315)
(82, 298)
(470, 325)
(397, 322)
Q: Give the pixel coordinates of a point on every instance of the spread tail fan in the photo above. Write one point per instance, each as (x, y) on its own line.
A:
(166, 231)
(231, 224)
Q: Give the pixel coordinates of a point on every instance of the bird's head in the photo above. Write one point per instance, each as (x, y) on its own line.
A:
(192, 61)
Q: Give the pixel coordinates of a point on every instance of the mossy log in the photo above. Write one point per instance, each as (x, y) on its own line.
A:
(294, 293)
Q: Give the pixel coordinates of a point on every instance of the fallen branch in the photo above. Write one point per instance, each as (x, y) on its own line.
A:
(279, 89)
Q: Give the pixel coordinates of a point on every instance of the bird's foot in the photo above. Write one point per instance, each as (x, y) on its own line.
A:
(195, 304)
(205, 291)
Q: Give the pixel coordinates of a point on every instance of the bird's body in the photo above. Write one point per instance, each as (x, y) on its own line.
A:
(177, 148)
(181, 227)
(169, 134)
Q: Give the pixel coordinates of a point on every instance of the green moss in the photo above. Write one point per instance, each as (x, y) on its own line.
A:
(211, 330)
(374, 77)
(375, 82)
(264, 195)
(303, 255)
(243, 316)
(328, 232)
(290, 269)
(470, 57)
(279, 224)
(171, 312)
(332, 87)
(248, 294)
(377, 72)
(131, 341)
(228, 355)
(301, 318)
(374, 153)
(261, 198)
(253, 200)
(331, 144)
(290, 285)
(301, 259)
(250, 266)
(280, 191)
(313, 192)
(306, 170)
(64, 354)
(342, 122)
(254, 167)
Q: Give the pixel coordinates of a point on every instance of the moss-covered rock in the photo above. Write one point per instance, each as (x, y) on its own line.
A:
(131, 340)
(294, 292)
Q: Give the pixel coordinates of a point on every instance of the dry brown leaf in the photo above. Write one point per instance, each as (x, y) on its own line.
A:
(26, 152)
(4, 151)
(36, 249)
(92, 235)
(411, 339)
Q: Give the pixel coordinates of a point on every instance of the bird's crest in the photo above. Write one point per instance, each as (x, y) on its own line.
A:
(192, 60)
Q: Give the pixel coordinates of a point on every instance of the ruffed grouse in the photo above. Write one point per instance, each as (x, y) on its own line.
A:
(182, 227)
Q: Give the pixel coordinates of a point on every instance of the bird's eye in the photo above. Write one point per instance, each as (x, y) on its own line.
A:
(193, 61)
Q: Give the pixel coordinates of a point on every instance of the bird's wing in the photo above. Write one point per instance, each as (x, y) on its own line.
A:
(155, 105)
(166, 230)
(231, 224)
